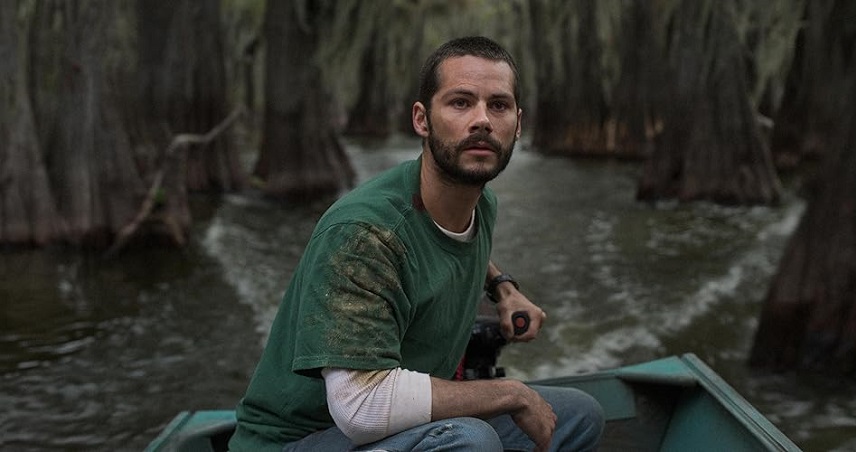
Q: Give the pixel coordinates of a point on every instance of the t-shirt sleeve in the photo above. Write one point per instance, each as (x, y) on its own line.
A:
(352, 307)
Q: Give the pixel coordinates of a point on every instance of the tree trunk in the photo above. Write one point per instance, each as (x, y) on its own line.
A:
(301, 156)
(88, 154)
(812, 104)
(639, 93)
(808, 319)
(370, 116)
(570, 109)
(408, 87)
(27, 212)
(183, 82)
(711, 146)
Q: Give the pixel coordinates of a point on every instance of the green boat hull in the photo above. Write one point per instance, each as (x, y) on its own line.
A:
(671, 404)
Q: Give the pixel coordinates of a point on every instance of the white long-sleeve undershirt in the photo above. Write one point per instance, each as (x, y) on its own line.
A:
(369, 405)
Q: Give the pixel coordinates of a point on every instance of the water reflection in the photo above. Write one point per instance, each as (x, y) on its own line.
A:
(97, 355)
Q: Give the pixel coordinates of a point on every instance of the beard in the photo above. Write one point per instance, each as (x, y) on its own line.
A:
(447, 156)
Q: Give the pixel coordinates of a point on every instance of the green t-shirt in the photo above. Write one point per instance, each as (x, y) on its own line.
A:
(379, 286)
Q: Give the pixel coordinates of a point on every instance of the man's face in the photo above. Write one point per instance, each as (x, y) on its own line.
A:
(474, 120)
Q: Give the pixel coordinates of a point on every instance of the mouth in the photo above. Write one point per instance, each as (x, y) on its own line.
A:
(480, 149)
(480, 152)
(479, 145)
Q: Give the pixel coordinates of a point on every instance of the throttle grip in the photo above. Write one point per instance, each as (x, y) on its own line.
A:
(520, 322)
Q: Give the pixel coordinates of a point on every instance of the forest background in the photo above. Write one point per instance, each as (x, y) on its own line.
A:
(114, 111)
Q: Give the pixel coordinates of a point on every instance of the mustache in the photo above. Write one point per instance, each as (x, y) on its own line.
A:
(480, 139)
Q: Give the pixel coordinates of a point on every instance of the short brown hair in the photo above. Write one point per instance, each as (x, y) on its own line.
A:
(477, 46)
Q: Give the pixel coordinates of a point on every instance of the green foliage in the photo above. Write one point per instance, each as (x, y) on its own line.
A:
(401, 32)
(160, 198)
(768, 31)
(241, 23)
(354, 28)
(122, 33)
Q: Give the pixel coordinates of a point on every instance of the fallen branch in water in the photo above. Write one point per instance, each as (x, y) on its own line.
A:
(178, 143)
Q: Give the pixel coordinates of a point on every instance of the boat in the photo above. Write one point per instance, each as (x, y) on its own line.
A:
(676, 403)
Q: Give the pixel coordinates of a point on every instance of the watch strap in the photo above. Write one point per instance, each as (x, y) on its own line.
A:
(490, 287)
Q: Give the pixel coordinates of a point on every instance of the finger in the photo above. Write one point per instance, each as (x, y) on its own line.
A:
(545, 445)
(507, 329)
(535, 324)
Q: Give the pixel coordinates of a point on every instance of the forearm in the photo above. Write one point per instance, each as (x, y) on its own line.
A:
(486, 399)
(483, 399)
(492, 272)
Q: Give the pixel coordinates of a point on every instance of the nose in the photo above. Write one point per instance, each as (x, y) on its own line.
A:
(481, 120)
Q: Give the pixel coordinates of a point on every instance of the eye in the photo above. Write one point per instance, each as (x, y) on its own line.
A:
(459, 102)
(499, 105)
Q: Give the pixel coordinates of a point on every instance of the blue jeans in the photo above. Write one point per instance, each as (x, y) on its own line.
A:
(579, 426)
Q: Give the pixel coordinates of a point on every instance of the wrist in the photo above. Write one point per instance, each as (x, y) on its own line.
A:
(499, 286)
(518, 393)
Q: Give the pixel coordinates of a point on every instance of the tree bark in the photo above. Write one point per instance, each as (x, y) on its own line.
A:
(301, 156)
(570, 108)
(811, 108)
(808, 320)
(638, 97)
(88, 154)
(711, 148)
(183, 82)
(371, 115)
(27, 212)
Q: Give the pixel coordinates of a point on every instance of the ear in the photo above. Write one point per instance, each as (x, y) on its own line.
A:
(420, 119)
(519, 122)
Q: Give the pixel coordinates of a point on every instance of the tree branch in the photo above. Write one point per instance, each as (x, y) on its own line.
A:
(178, 143)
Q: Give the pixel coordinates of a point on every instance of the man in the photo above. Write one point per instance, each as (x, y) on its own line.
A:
(380, 309)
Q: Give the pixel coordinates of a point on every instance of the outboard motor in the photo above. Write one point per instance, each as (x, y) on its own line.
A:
(486, 341)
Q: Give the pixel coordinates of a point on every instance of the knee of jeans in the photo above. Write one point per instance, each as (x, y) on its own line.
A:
(594, 409)
(469, 434)
(596, 416)
(591, 418)
(577, 407)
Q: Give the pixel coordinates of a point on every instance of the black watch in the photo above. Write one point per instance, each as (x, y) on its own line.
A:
(490, 287)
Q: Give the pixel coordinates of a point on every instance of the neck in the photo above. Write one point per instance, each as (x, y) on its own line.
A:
(450, 205)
